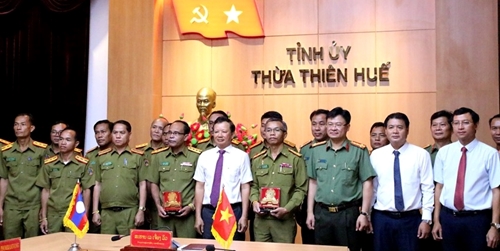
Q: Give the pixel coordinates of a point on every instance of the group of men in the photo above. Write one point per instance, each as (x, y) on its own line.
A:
(399, 193)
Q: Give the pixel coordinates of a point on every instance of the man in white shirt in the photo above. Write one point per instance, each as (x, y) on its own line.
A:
(403, 186)
(229, 168)
(495, 130)
(467, 176)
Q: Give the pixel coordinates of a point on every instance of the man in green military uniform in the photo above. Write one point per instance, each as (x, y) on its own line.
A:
(55, 131)
(277, 168)
(57, 179)
(19, 197)
(4, 142)
(156, 142)
(120, 184)
(171, 172)
(340, 181)
(208, 143)
(318, 130)
(441, 131)
(262, 144)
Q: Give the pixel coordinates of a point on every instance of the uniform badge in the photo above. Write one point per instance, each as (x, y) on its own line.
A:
(109, 163)
(91, 171)
(92, 162)
(9, 159)
(125, 161)
(146, 162)
(30, 159)
(322, 161)
(186, 164)
(306, 158)
(264, 166)
(165, 163)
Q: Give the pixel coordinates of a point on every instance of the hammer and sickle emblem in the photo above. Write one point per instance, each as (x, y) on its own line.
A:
(202, 17)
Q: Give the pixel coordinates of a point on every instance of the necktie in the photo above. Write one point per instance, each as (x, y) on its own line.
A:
(214, 195)
(398, 190)
(459, 189)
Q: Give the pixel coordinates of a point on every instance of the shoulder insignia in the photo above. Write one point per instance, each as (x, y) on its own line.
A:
(195, 150)
(82, 159)
(427, 146)
(51, 159)
(235, 141)
(360, 145)
(91, 150)
(5, 142)
(78, 150)
(203, 140)
(141, 145)
(256, 144)
(307, 143)
(318, 143)
(137, 151)
(289, 143)
(159, 150)
(7, 147)
(107, 150)
(259, 154)
(295, 153)
(39, 144)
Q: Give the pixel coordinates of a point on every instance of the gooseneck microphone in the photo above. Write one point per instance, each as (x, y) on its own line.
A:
(213, 248)
(118, 237)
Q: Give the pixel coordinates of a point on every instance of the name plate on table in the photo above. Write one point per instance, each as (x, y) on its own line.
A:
(150, 239)
(11, 245)
(172, 202)
(269, 198)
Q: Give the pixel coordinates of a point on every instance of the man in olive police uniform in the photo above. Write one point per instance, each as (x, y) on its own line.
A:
(120, 184)
(340, 181)
(171, 171)
(281, 168)
(57, 179)
(19, 197)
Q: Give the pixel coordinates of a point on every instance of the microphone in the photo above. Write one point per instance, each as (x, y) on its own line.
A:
(118, 237)
(213, 248)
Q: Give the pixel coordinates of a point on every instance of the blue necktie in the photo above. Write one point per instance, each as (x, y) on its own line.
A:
(398, 190)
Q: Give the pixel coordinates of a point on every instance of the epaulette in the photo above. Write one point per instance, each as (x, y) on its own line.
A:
(141, 145)
(159, 150)
(429, 145)
(91, 150)
(354, 143)
(289, 143)
(259, 154)
(235, 141)
(7, 147)
(307, 143)
(107, 150)
(5, 142)
(40, 144)
(78, 150)
(195, 150)
(318, 143)
(256, 144)
(82, 159)
(294, 152)
(137, 151)
(51, 159)
(203, 140)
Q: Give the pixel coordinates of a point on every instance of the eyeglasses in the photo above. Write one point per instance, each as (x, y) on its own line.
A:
(463, 123)
(336, 125)
(173, 133)
(54, 132)
(276, 130)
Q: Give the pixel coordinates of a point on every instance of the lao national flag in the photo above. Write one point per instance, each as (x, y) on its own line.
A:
(76, 216)
(214, 18)
(224, 225)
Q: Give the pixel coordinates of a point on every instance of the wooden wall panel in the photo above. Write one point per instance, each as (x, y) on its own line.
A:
(346, 16)
(396, 15)
(287, 17)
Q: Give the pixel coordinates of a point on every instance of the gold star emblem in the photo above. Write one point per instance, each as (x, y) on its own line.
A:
(225, 215)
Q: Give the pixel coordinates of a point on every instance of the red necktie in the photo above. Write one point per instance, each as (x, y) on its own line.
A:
(459, 189)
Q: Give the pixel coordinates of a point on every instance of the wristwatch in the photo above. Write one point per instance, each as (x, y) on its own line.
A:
(495, 225)
(142, 209)
(428, 222)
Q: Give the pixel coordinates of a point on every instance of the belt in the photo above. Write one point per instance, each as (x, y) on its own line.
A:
(465, 213)
(338, 208)
(237, 204)
(116, 209)
(399, 214)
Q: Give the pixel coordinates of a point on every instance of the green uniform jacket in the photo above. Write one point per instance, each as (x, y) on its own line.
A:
(21, 169)
(339, 173)
(174, 172)
(49, 151)
(147, 149)
(433, 151)
(60, 180)
(286, 172)
(119, 175)
(3, 143)
(261, 146)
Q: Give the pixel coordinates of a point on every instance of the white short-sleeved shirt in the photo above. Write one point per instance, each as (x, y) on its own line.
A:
(235, 171)
(481, 175)
(416, 179)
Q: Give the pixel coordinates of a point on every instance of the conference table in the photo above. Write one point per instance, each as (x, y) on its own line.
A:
(102, 242)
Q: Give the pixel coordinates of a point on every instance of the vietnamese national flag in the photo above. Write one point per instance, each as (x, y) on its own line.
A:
(213, 18)
(76, 216)
(224, 225)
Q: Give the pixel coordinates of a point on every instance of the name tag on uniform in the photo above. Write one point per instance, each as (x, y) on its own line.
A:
(186, 164)
(322, 161)
(165, 163)
(54, 170)
(109, 163)
(265, 166)
(10, 159)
